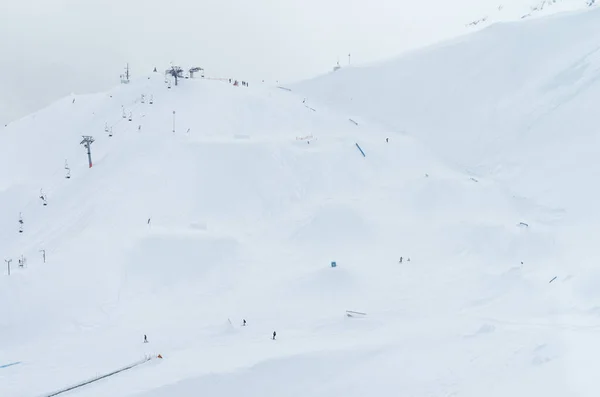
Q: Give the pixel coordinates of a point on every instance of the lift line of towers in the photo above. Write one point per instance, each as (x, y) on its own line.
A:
(174, 71)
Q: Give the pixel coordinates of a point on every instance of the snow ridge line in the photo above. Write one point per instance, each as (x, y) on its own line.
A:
(97, 378)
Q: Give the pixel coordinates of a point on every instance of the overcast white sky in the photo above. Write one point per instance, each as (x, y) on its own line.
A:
(50, 48)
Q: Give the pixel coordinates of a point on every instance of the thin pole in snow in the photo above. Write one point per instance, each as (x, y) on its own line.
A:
(173, 121)
(8, 263)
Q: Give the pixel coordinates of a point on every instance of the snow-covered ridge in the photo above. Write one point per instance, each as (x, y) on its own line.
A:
(509, 11)
(216, 204)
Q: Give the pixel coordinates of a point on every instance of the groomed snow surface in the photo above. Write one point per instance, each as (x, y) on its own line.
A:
(487, 184)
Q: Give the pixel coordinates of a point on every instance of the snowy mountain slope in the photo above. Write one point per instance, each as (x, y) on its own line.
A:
(517, 104)
(514, 104)
(246, 216)
(515, 10)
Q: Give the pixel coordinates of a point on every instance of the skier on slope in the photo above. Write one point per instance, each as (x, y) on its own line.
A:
(274, 335)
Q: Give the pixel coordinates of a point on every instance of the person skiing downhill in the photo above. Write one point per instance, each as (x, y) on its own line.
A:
(274, 335)
(145, 339)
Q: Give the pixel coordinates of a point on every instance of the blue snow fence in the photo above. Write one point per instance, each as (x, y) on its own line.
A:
(10, 365)
(359, 148)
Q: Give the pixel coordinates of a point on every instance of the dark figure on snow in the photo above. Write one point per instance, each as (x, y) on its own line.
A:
(274, 335)
(387, 140)
(145, 339)
(229, 81)
(244, 324)
(400, 259)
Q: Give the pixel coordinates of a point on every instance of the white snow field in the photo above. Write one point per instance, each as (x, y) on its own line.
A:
(485, 133)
